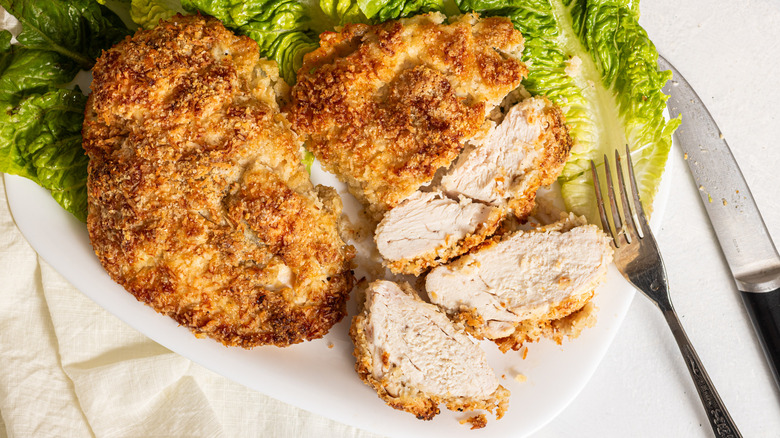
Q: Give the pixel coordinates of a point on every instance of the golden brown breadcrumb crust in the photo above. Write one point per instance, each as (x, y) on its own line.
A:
(423, 406)
(567, 319)
(556, 145)
(476, 421)
(385, 106)
(198, 203)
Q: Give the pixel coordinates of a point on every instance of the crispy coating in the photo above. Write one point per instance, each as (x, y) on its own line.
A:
(555, 147)
(565, 320)
(198, 203)
(476, 421)
(385, 106)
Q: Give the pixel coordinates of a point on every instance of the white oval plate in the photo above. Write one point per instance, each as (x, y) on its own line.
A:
(319, 376)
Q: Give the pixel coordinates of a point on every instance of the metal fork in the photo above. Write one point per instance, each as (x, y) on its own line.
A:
(638, 258)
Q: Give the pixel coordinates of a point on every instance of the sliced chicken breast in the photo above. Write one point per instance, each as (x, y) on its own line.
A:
(522, 286)
(525, 151)
(385, 106)
(501, 173)
(415, 358)
(429, 227)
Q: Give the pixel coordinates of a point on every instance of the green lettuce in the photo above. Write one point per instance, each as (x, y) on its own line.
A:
(78, 30)
(40, 118)
(40, 138)
(286, 30)
(385, 10)
(613, 98)
(147, 13)
(308, 160)
(40, 125)
(27, 71)
(340, 12)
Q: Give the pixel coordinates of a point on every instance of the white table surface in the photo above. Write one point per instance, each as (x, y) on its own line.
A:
(728, 50)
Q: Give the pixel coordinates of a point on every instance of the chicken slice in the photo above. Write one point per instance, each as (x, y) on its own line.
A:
(415, 358)
(428, 228)
(525, 284)
(525, 151)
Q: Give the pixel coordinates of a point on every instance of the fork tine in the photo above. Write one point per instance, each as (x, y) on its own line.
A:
(600, 203)
(640, 211)
(631, 230)
(611, 193)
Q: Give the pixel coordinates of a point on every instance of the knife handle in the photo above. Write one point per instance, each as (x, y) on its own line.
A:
(764, 310)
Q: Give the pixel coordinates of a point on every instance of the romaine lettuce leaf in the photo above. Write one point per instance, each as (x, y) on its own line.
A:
(40, 138)
(287, 49)
(40, 125)
(339, 12)
(40, 119)
(148, 13)
(24, 71)
(383, 10)
(612, 98)
(77, 29)
(308, 160)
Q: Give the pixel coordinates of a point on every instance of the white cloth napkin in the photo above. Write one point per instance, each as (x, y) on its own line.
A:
(68, 368)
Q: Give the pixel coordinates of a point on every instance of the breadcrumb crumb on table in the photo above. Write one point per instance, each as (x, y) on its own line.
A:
(476, 421)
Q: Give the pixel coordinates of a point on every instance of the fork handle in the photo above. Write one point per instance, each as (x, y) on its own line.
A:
(719, 417)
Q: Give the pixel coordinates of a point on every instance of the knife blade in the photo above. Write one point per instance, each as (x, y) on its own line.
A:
(747, 246)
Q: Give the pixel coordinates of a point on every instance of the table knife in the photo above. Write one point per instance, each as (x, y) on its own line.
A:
(739, 227)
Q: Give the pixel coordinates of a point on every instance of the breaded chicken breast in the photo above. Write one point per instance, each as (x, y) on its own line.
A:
(497, 173)
(198, 202)
(415, 358)
(525, 284)
(385, 106)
